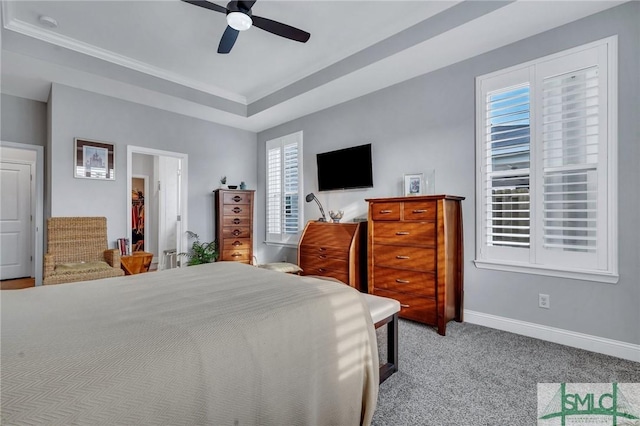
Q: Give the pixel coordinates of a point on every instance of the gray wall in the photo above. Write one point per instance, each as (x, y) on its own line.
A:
(23, 121)
(214, 150)
(428, 123)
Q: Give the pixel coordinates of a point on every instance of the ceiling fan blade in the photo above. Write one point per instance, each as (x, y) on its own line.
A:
(207, 5)
(278, 28)
(228, 40)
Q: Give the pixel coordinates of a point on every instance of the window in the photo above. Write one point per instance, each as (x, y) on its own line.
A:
(546, 152)
(284, 189)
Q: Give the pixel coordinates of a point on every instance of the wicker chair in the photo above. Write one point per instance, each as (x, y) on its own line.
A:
(77, 251)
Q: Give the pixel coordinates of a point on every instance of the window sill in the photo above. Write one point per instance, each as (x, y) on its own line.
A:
(280, 244)
(597, 276)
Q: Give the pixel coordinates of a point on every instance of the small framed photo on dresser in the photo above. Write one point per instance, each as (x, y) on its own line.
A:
(413, 184)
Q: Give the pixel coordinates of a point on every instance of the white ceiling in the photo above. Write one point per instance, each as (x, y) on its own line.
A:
(163, 53)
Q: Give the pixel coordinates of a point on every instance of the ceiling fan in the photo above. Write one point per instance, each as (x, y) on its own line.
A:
(240, 18)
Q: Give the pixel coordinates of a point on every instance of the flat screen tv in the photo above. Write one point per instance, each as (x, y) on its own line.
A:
(345, 169)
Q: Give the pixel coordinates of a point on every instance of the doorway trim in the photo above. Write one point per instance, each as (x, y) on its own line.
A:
(37, 203)
(131, 149)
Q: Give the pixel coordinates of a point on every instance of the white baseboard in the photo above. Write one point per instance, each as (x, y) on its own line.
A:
(597, 344)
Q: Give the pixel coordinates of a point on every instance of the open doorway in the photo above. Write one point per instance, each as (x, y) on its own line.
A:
(161, 228)
(139, 218)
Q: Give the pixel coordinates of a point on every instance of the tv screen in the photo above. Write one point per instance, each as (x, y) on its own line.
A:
(345, 169)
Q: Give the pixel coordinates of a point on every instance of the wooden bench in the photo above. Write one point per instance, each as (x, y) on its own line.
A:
(383, 311)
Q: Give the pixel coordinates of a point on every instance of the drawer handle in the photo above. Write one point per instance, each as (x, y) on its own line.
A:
(236, 221)
(420, 211)
(237, 209)
(385, 211)
(237, 198)
(321, 270)
(399, 281)
(402, 257)
(322, 256)
(404, 306)
(322, 248)
(236, 232)
(402, 233)
(236, 255)
(236, 243)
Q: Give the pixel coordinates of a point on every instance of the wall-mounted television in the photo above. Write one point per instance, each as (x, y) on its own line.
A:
(345, 168)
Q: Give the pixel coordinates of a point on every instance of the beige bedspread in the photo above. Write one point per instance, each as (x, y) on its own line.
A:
(217, 344)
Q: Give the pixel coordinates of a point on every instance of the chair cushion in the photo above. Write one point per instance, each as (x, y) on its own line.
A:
(288, 268)
(81, 267)
(381, 307)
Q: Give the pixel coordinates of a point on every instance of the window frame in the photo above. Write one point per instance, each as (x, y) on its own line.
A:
(494, 259)
(286, 240)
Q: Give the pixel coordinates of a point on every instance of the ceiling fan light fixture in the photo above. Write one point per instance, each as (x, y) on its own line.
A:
(239, 21)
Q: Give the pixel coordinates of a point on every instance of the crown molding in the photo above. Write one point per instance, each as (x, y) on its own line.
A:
(11, 23)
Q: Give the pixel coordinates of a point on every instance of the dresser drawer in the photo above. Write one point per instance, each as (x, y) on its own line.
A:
(340, 276)
(402, 281)
(236, 243)
(412, 307)
(236, 232)
(237, 198)
(313, 251)
(405, 233)
(385, 211)
(241, 210)
(317, 263)
(419, 210)
(239, 255)
(236, 221)
(417, 258)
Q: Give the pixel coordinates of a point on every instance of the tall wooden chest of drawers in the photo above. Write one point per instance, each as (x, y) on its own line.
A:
(234, 224)
(416, 256)
(335, 250)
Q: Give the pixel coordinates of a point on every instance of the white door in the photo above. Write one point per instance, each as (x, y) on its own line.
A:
(170, 221)
(15, 220)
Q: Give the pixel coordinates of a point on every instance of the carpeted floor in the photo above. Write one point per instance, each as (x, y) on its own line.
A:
(480, 376)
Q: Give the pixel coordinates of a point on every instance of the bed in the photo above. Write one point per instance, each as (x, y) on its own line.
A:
(220, 344)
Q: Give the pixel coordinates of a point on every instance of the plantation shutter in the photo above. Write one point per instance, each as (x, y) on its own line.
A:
(291, 189)
(284, 187)
(572, 160)
(274, 190)
(546, 150)
(508, 159)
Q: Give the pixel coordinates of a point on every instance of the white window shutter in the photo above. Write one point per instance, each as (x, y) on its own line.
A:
(284, 189)
(507, 178)
(573, 150)
(274, 190)
(546, 155)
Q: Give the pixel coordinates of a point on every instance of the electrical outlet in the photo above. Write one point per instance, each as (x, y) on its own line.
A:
(544, 301)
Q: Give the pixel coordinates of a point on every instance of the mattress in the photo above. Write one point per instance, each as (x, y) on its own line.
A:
(220, 344)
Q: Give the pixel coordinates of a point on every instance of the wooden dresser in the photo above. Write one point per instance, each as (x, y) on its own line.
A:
(335, 250)
(416, 256)
(234, 224)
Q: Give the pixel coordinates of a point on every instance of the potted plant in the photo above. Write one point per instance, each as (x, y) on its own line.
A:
(201, 252)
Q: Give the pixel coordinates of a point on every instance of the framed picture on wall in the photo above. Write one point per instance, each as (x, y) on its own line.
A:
(94, 160)
(413, 184)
